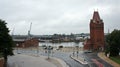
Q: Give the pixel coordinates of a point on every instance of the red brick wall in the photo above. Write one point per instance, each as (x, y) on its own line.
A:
(97, 32)
(1, 62)
(87, 45)
(29, 43)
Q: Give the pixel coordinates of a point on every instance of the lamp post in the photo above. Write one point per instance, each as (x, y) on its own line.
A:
(77, 48)
(5, 54)
(48, 49)
(37, 50)
(73, 50)
(17, 47)
(48, 52)
(77, 51)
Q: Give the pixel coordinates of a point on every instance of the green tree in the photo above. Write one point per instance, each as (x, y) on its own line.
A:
(113, 40)
(5, 39)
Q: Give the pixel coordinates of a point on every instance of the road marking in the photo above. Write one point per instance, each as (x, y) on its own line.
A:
(98, 63)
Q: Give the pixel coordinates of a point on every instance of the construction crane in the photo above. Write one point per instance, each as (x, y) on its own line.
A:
(29, 35)
(12, 33)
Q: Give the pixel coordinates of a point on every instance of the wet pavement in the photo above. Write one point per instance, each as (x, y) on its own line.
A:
(92, 59)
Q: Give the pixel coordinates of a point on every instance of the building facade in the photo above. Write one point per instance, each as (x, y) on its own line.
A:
(33, 42)
(96, 41)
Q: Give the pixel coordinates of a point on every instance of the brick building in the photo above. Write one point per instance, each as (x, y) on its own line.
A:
(33, 42)
(96, 41)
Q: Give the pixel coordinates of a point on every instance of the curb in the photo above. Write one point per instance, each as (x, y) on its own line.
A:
(114, 64)
(78, 60)
(63, 63)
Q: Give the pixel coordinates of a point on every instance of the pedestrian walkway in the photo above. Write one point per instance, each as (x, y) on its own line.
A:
(20, 60)
(102, 56)
(79, 59)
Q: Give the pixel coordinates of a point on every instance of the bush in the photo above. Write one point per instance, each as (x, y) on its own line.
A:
(1, 55)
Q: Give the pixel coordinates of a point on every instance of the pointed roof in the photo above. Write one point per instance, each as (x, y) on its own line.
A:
(96, 16)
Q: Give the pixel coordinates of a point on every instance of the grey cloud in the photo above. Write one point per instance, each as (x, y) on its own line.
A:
(57, 16)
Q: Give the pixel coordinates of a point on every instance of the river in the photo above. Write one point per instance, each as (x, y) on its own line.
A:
(64, 44)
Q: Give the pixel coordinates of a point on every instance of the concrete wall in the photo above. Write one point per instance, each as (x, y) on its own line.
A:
(1, 62)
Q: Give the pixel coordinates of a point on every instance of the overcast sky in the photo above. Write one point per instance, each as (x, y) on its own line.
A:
(58, 16)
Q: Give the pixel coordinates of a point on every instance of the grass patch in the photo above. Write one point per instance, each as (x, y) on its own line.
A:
(116, 59)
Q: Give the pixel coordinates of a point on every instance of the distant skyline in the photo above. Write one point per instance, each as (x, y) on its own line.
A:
(58, 16)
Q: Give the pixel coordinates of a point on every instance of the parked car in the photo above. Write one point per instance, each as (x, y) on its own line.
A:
(87, 51)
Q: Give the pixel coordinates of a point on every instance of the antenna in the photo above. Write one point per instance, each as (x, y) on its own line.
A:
(97, 9)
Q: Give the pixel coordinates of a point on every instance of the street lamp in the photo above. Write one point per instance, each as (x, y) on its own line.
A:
(37, 50)
(77, 48)
(5, 54)
(73, 50)
(17, 47)
(48, 48)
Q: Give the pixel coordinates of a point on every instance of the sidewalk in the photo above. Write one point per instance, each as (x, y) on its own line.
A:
(79, 59)
(102, 56)
(20, 60)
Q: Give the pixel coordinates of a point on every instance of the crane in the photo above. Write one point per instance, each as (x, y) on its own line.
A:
(29, 35)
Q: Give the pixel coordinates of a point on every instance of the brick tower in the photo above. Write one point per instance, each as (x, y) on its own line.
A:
(96, 32)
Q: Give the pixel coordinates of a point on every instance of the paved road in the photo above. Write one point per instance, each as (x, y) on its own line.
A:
(62, 55)
(94, 60)
(66, 57)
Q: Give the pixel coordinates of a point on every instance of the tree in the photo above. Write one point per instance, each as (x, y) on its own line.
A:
(6, 41)
(113, 40)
